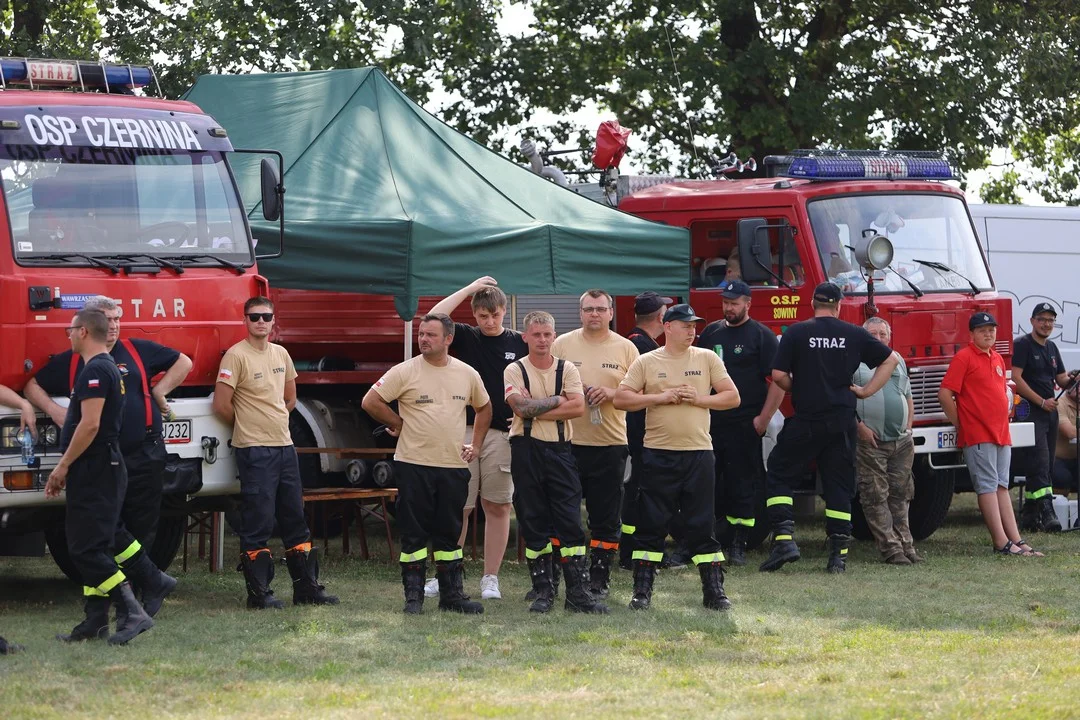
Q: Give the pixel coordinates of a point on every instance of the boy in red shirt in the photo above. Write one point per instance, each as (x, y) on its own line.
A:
(974, 398)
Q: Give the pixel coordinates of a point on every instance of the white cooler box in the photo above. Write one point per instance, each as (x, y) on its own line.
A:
(1066, 510)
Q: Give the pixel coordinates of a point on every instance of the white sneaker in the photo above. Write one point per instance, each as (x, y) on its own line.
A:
(431, 588)
(489, 588)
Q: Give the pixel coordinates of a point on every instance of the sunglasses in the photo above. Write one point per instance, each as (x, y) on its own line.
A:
(256, 317)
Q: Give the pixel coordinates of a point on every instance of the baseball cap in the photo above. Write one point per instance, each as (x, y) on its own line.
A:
(736, 289)
(649, 302)
(1043, 307)
(981, 319)
(828, 292)
(683, 312)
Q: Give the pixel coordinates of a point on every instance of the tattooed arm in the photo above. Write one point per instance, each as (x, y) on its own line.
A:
(533, 407)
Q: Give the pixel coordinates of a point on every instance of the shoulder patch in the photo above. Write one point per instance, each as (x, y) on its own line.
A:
(225, 374)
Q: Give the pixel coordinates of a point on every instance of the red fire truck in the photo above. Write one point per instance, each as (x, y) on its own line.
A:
(883, 226)
(112, 193)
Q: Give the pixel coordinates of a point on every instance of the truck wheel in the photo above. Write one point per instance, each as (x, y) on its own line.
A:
(170, 534)
(312, 476)
(933, 496)
(56, 538)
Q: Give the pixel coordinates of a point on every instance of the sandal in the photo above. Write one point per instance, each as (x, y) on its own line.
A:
(1031, 552)
(1008, 549)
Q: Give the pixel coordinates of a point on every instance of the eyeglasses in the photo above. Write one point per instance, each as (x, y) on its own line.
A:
(256, 317)
(73, 328)
(1044, 319)
(594, 310)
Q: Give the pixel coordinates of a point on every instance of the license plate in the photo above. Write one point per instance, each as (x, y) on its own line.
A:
(177, 432)
(52, 71)
(946, 439)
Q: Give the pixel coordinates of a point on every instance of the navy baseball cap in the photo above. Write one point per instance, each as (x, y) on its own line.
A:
(683, 312)
(1043, 307)
(736, 289)
(981, 319)
(649, 302)
(828, 292)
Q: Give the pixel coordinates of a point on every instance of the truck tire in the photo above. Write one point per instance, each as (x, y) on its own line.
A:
(170, 534)
(933, 496)
(312, 476)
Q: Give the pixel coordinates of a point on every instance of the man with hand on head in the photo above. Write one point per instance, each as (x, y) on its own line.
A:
(674, 385)
(430, 463)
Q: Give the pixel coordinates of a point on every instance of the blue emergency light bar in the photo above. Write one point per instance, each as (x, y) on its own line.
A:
(865, 165)
(74, 74)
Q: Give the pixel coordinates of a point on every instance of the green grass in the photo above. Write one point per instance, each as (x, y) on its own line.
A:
(966, 634)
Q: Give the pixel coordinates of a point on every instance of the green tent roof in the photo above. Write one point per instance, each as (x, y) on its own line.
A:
(382, 197)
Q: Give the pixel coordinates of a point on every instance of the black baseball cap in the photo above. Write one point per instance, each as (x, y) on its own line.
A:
(683, 312)
(736, 289)
(649, 302)
(1043, 307)
(981, 319)
(828, 292)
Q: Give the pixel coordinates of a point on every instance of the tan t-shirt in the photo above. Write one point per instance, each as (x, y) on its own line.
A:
(676, 427)
(258, 379)
(431, 402)
(541, 385)
(602, 364)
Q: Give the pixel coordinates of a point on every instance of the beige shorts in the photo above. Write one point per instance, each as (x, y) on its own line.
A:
(490, 472)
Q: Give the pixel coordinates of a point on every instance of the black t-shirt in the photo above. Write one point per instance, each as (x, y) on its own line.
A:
(747, 351)
(635, 421)
(99, 379)
(822, 354)
(54, 378)
(1040, 363)
(489, 356)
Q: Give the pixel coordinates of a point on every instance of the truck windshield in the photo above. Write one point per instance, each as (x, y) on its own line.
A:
(169, 204)
(928, 227)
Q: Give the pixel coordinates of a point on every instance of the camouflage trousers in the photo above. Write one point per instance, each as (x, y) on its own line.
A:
(885, 492)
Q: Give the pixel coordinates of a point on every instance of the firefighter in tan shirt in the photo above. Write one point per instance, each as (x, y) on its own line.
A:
(431, 464)
(544, 392)
(602, 357)
(673, 385)
(255, 391)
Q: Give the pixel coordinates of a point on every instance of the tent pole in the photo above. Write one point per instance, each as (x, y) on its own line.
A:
(408, 339)
(513, 312)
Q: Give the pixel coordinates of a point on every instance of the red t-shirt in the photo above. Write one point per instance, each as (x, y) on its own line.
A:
(977, 378)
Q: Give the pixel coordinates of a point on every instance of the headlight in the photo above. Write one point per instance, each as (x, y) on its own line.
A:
(50, 434)
(9, 438)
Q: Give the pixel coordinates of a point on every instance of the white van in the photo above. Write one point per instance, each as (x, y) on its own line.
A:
(1034, 254)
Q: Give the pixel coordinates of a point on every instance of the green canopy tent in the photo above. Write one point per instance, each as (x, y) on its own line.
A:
(384, 198)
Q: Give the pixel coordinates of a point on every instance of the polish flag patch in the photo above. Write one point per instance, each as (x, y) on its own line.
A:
(378, 383)
(224, 374)
(93, 383)
(508, 388)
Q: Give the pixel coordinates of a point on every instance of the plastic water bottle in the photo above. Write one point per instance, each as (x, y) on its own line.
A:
(595, 416)
(27, 442)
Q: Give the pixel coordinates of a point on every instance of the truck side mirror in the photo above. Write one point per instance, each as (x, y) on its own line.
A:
(755, 260)
(271, 203)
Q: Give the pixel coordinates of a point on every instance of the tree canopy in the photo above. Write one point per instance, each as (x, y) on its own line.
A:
(693, 78)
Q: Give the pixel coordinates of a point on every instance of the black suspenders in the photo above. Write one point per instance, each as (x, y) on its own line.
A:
(527, 422)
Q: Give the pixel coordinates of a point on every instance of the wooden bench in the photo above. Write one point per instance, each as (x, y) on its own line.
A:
(363, 503)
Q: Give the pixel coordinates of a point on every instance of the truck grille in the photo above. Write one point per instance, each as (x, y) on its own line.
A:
(925, 383)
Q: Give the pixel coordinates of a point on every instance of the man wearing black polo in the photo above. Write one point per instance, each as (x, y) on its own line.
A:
(747, 348)
(141, 442)
(649, 309)
(1036, 366)
(815, 362)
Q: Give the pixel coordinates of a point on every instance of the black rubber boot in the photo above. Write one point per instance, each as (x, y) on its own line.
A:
(412, 579)
(95, 626)
(783, 549)
(543, 593)
(10, 648)
(131, 618)
(154, 585)
(736, 554)
(600, 571)
(644, 577)
(258, 574)
(1030, 516)
(578, 597)
(838, 550)
(556, 573)
(452, 595)
(304, 569)
(1048, 518)
(712, 587)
